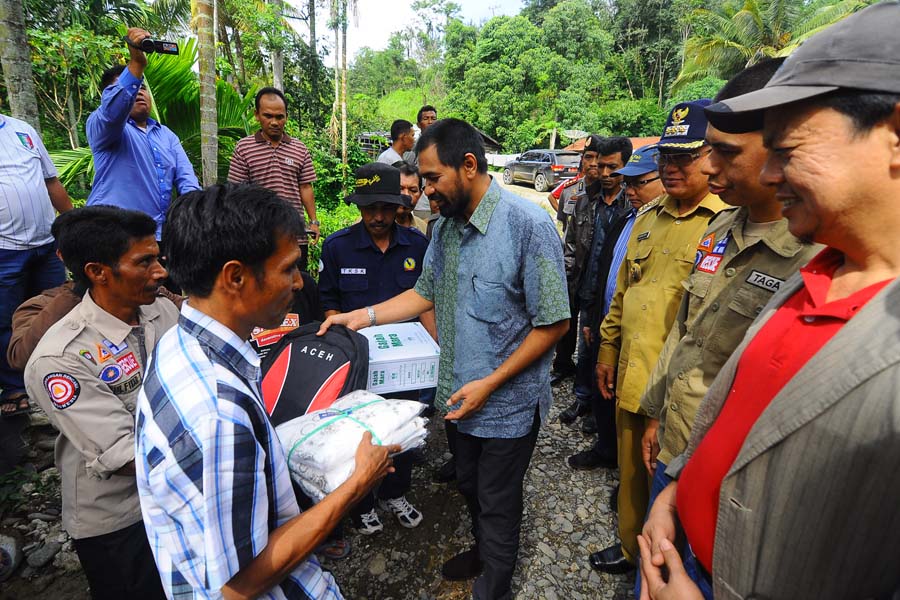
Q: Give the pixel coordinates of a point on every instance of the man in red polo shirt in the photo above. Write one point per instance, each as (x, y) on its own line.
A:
(787, 488)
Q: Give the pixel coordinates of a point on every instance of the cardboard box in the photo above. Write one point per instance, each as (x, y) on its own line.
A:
(402, 357)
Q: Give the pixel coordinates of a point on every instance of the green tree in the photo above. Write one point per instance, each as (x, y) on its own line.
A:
(16, 59)
(739, 35)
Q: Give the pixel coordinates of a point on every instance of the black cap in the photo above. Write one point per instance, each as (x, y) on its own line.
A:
(378, 182)
(862, 52)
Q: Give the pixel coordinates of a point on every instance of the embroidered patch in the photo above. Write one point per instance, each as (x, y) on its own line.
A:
(128, 363)
(63, 389)
(409, 264)
(766, 282)
(707, 243)
(129, 385)
(353, 271)
(111, 374)
(86, 355)
(710, 263)
(720, 246)
(643, 236)
(103, 354)
(25, 139)
(116, 349)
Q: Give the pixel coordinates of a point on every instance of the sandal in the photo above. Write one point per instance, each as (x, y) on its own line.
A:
(11, 407)
(335, 549)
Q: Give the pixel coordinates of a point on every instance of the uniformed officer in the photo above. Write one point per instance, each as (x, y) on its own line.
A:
(86, 373)
(363, 265)
(659, 256)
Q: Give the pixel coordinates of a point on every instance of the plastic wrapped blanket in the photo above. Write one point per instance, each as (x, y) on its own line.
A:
(321, 445)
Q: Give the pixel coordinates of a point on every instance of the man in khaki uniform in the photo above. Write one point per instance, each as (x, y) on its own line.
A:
(659, 257)
(86, 373)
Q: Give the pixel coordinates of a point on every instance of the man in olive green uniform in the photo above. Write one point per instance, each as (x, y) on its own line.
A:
(743, 258)
(86, 373)
(660, 254)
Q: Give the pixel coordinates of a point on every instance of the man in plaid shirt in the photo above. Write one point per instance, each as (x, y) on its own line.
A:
(215, 491)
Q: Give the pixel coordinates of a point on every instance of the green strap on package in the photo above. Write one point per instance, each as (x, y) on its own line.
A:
(344, 415)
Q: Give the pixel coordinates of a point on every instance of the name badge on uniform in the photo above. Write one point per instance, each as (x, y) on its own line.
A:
(353, 271)
(766, 282)
(643, 236)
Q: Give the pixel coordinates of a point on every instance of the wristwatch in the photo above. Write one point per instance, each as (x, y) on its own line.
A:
(314, 222)
(371, 312)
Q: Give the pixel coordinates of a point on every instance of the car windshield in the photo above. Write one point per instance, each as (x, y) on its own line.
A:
(570, 160)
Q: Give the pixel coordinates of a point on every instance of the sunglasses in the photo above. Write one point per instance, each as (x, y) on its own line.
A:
(637, 183)
(681, 159)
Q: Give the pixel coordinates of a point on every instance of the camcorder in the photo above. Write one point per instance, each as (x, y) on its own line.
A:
(150, 46)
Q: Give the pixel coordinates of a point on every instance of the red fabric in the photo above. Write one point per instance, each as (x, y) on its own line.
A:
(779, 350)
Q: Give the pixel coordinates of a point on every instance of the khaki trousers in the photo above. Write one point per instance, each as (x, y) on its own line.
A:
(634, 481)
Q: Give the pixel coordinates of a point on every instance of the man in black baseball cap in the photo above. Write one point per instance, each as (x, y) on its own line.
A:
(787, 486)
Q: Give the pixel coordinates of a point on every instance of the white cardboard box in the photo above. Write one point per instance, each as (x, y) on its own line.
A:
(402, 357)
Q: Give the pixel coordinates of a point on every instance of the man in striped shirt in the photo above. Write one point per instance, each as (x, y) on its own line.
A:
(30, 195)
(273, 159)
(215, 491)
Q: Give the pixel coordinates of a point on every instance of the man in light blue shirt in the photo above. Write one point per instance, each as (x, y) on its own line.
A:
(138, 162)
(494, 275)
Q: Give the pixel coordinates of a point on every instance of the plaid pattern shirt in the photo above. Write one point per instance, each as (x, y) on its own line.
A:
(212, 476)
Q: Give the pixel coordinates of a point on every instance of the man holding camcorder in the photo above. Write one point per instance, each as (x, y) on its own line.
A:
(138, 162)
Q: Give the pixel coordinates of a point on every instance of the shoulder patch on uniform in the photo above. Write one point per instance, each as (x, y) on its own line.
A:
(115, 349)
(409, 264)
(103, 354)
(571, 182)
(707, 243)
(86, 355)
(62, 388)
(648, 207)
(128, 363)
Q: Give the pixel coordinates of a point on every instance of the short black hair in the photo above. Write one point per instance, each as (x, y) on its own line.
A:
(206, 228)
(399, 127)
(425, 109)
(410, 169)
(98, 234)
(864, 108)
(454, 138)
(752, 78)
(270, 91)
(109, 76)
(611, 145)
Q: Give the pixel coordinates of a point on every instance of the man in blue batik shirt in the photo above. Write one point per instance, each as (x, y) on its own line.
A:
(138, 162)
(494, 275)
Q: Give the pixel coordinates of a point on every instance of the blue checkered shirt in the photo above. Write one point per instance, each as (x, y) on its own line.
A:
(211, 473)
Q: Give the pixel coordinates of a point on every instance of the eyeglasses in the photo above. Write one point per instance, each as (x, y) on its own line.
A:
(681, 159)
(637, 184)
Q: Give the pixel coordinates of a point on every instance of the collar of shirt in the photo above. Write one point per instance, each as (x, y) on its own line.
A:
(151, 124)
(364, 240)
(710, 203)
(481, 218)
(779, 240)
(2, 121)
(260, 139)
(238, 353)
(113, 329)
(817, 278)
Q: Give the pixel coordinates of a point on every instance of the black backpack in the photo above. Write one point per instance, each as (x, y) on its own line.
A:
(304, 372)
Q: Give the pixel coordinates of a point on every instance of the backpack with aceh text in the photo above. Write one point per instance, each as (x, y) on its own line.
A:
(304, 372)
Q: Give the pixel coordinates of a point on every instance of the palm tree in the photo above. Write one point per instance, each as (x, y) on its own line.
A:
(16, 58)
(208, 138)
(731, 38)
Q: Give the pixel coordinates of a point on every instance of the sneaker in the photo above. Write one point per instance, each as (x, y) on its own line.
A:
(577, 409)
(368, 523)
(465, 565)
(405, 512)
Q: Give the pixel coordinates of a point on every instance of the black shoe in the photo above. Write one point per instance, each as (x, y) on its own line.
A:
(465, 565)
(611, 560)
(589, 425)
(588, 460)
(446, 473)
(577, 409)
